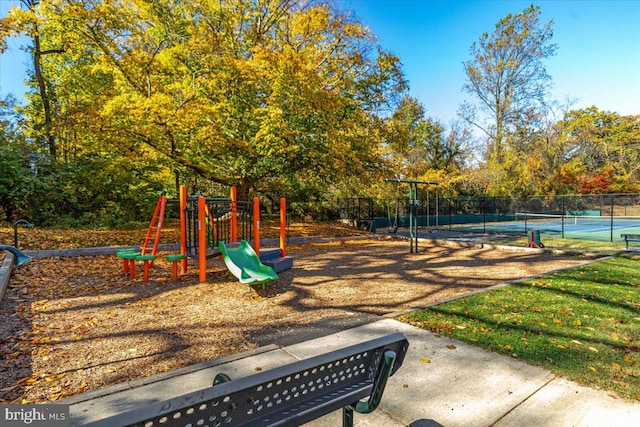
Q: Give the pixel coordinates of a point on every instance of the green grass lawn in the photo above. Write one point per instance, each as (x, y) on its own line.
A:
(582, 324)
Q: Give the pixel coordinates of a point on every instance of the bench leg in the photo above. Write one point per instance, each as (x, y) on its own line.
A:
(221, 378)
(347, 416)
(379, 383)
(132, 268)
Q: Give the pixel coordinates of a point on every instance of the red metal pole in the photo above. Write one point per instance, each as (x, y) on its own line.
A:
(132, 268)
(183, 226)
(202, 240)
(256, 225)
(283, 226)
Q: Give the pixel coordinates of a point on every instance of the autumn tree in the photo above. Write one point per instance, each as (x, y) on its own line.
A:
(262, 94)
(419, 143)
(506, 74)
(26, 20)
(420, 147)
(602, 149)
(545, 167)
(408, 135)
(15, 176)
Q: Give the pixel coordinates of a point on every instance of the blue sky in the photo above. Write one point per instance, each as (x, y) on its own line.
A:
(597, 61)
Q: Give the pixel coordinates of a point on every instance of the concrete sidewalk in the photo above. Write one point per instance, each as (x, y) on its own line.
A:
(461, 385)
(441, 383)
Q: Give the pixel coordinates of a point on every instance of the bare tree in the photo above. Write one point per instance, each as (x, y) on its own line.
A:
(508, 76)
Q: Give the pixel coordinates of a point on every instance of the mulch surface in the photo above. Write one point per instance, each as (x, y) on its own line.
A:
(71, 325)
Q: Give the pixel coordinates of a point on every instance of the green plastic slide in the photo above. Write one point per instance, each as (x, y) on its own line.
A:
(243, 262)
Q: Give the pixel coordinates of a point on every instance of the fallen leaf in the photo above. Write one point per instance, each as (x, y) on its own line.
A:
(4, 390)
(425, 360)
(451, 347)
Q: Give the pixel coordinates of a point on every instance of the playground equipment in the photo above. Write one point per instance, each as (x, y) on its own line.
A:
(393, 225)
(204, 222)
(413, 208)
(147, 261)
(243, 262)
(534, 239)
(155, 227)
(20, 258)
(174, 259)
(15, 230)
(128, 257)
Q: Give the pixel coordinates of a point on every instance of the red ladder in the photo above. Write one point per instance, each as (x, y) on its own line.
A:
(155, 226)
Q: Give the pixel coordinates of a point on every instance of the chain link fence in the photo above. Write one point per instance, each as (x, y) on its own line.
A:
(590, 216)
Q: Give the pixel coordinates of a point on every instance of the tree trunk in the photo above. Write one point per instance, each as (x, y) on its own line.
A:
(46, 103)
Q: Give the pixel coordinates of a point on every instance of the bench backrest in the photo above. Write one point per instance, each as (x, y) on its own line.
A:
(630, 236)
(288, 395)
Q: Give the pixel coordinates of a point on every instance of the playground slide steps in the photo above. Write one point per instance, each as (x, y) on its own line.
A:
(272, 257)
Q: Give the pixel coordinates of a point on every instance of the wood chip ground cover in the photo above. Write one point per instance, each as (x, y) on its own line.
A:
(77, 324)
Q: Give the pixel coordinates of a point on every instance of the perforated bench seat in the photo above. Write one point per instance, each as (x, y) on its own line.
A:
(288, 395)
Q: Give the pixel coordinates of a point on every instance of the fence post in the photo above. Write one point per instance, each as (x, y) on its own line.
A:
(234, 215)
(563, 212)
(283, 227)
(437, 207)
(611, 239)
(526, 211)
(256, 225)
(483, 203)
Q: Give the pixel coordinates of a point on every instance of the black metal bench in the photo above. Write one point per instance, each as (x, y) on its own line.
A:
(630, 238)
(289, 395)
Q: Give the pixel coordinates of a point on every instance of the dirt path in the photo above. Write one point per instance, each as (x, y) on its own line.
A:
(75, 324)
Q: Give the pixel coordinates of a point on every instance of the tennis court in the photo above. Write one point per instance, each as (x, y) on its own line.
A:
(586, 227)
